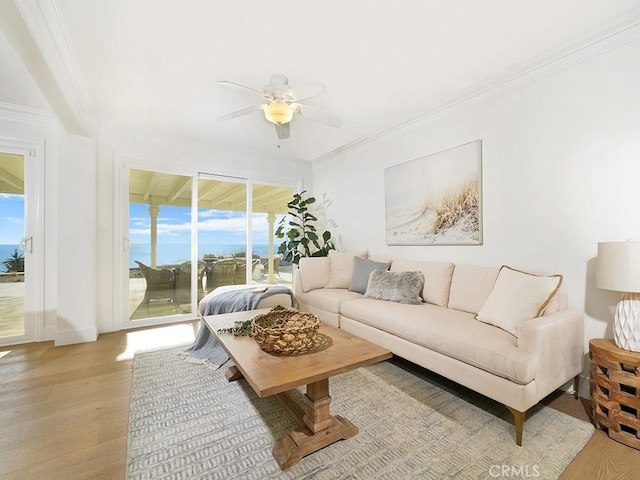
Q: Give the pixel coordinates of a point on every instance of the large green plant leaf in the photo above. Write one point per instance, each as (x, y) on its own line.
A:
(299, 232)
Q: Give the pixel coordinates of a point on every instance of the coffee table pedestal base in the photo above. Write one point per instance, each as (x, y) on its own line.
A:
(299, 443)
(318, 428)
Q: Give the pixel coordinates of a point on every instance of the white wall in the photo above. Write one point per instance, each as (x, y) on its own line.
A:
(67, 243)
(76, 228)
(561, 163)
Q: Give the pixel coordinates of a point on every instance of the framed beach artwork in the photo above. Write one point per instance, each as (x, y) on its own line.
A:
(437, 199)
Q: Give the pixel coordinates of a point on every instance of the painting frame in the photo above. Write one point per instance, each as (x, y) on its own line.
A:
(436, 199)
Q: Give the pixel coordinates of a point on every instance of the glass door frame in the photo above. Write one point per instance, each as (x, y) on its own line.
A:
(122, 246)
(194, 210)
(122, 242)
(33, 157)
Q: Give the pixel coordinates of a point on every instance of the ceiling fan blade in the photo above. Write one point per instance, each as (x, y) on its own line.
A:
(283, 131)
(304, 91)
(244, 111)
(318, 116)
(237, 86)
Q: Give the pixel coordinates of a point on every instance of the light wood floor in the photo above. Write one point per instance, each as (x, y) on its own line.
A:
(64, 411)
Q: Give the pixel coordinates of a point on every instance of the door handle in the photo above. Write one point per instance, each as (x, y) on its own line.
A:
(26, 244)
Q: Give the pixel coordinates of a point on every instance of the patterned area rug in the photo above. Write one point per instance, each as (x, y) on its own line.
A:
(188, 422)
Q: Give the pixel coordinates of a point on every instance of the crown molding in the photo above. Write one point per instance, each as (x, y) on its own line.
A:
(21, 113)
(605, 38)
(43, 19)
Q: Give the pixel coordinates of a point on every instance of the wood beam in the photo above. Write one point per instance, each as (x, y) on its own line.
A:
(150, 186)
(11, 180)
(179, 189)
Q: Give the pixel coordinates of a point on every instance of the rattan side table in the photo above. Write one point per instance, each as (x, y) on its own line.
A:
(615, 391)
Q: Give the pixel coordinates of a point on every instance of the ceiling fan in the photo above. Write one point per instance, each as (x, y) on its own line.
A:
(282, 102)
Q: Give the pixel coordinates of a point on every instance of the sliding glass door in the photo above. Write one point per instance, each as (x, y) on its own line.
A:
(21, 245)
(160, 244)
(188, 235)
(222, 230)
(12, 261)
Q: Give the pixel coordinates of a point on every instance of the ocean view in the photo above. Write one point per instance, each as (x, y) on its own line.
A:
(169, 253)
(173, 253)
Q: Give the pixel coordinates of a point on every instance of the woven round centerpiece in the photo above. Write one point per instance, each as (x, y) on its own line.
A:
(286, 331)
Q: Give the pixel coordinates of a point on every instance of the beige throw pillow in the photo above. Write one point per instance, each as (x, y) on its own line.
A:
(314, 272)
(517, 296)
(341, 268)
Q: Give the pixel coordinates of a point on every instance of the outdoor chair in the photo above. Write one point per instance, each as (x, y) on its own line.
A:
(160, 283)
(240, 277)
(276, 263)
(222, 273)
(183, 282)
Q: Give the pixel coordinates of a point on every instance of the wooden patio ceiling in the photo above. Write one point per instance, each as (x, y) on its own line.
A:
(11, 174)
(155, 188)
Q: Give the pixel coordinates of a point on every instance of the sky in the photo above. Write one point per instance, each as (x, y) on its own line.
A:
(214, 226)
(11, 218)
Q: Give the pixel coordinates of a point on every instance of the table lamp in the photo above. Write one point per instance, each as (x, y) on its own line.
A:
(618, 268)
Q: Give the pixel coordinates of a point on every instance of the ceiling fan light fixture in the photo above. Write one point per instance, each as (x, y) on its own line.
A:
(279, 112)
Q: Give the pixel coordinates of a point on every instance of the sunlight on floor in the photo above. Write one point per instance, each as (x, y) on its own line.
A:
(155, 338)
(5, 353)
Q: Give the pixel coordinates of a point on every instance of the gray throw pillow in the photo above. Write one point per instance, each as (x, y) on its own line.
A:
(403, 287)
(362, 268)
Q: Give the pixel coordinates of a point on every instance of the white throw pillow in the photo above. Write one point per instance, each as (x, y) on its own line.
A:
(314, 272)
(341, 268)
(517, 296)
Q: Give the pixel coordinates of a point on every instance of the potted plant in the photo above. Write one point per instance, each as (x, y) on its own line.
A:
(299, 232)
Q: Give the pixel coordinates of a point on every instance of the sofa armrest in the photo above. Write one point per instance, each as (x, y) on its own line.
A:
(557, 341)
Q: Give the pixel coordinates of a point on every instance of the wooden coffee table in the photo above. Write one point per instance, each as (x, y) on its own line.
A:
(270, 374)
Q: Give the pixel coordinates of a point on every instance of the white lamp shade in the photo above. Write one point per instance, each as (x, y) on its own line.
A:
(618, 266)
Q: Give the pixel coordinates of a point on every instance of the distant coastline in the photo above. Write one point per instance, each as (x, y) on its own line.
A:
(168, 253)
(174, 253)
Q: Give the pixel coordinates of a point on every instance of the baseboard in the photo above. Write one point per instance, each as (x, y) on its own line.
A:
(69, 337)
(585, 386)
(49, 333)
(584, 390)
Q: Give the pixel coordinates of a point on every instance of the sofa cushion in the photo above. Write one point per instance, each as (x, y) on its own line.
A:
(403, 287)
(517, 296)
(437, 279)
(314, 272)
(341, 268)
(328, 299)
(451, 332)
(362, 268)
(379, 257)
(471, 286)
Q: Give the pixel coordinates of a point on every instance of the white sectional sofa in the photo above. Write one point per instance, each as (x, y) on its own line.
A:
(443, 332)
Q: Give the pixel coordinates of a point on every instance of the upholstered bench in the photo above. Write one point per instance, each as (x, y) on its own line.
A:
(268, 296)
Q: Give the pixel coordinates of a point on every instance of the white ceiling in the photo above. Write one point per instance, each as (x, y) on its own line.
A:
(152, 65)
